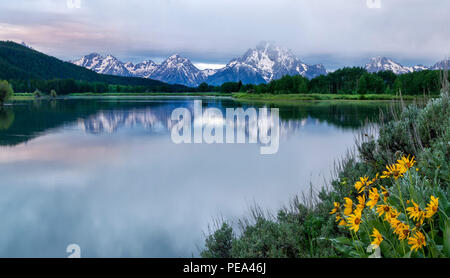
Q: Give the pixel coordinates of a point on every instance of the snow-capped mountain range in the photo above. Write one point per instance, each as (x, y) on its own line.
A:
(261, 64)
(258, 65)
(386, 64)
(179, 70)
(174, 70)
(105, 65)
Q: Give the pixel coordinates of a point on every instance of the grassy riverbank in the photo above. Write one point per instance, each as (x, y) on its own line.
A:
(152, 94)
(343, 218)
(299, 97)
(238, 96)
(30, 96)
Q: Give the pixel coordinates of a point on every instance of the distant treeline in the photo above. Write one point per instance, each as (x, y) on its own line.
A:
(68, 86)
(343, 81)
(354, 80)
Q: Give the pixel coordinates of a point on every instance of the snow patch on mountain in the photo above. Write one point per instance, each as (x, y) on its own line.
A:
(272, 62)
(386, 64)
(267, 61)
(178, 70)
(105, 65)
(174, 70)
(143, 69)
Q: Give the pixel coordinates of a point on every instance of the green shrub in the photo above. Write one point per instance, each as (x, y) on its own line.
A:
(6, 91)
(53, 94)
(37, 93)
(219, 244)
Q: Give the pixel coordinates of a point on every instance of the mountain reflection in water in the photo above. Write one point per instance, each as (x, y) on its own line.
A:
(105, 174)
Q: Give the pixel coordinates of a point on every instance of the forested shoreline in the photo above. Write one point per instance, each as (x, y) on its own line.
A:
(346, 81)
(354, 80)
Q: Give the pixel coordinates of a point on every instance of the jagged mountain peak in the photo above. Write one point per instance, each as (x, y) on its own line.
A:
(272, 61)
(175, 69)
(176, 60)
(266, 62)
(178, 70)
(380, 63)
(143, 69)
(105, 65)
(444, 64)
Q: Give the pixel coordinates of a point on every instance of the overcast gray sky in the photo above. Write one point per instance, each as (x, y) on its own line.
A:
(332, 32)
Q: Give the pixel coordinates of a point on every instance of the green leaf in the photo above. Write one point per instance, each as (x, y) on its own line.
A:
(358, 244)
(447, 239)
(341, 240)
(407, 255)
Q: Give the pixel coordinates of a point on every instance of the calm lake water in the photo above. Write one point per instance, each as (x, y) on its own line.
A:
(105, 174)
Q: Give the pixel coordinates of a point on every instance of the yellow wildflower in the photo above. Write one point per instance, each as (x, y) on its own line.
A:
(415, 212)
(361, 202)
(402, 230)
(373, 197)
(378, 238)
(336, 208)
(381, 209)
(406, 162)
(432, 207)
(417, 241)
(394, 222)
(348, 206)
(340, 220)
(395, 170)
(362, 184)
(392, 214)
(354, 220)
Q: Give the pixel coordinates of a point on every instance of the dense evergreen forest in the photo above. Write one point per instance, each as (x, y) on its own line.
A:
(354, 80)
(69, 86)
